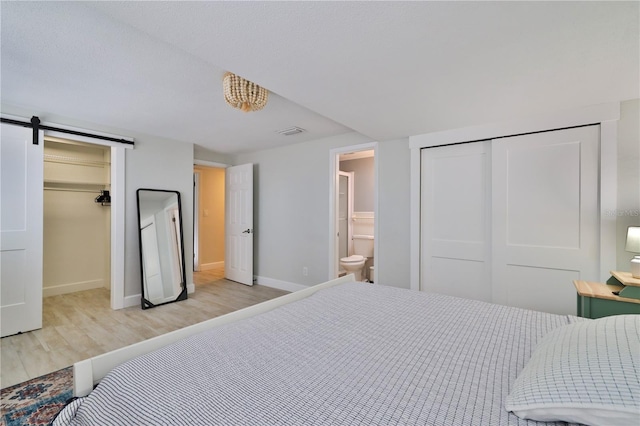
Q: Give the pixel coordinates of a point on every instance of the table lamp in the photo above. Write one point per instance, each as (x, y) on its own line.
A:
(633, 246)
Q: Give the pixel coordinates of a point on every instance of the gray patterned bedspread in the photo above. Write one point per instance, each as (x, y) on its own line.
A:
(355, 354)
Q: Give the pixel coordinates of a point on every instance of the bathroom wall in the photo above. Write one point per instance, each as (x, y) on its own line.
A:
(211, 216)
(363, 223)
(364, 182)
(76, 236)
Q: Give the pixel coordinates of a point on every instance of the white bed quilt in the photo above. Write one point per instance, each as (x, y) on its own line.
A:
(354, 354)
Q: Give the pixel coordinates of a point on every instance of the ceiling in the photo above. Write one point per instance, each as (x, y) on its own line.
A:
(385, 69)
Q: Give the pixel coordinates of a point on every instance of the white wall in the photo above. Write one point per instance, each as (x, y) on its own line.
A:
(392, 259)
(628, 212)
(157, 164)
(200, 153)
(363, 182)
(291, 222)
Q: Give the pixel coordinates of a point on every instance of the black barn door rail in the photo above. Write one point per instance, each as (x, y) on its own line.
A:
(36, 126)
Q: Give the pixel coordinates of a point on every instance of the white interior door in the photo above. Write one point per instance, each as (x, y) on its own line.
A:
(238, 263)
(455, 252)
(545, 217)
(21, 217)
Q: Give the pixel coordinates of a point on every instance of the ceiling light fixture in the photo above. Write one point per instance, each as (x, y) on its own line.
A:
(243, 94)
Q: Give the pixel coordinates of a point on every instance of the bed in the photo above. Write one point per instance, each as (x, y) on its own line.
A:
(347, 353)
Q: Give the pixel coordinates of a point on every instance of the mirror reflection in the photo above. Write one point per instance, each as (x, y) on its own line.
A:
(161, 243)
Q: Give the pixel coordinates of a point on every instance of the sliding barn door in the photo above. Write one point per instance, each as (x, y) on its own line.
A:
(238, 264)
(455, 220)
(21, 181)
(545, 217)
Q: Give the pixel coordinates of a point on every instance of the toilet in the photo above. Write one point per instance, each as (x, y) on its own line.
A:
(362, 248)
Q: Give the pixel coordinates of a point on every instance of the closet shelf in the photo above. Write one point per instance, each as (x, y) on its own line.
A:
(75, 183)
(50, 158)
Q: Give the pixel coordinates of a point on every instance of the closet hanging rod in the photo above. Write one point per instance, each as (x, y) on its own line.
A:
(93, 191)
(36, 126)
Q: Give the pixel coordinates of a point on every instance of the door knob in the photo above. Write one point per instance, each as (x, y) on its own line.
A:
(246, 231)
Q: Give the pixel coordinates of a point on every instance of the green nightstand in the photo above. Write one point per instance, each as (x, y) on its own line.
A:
(597, 300)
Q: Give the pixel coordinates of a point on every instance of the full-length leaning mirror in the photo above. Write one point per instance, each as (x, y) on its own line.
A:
(161, 247)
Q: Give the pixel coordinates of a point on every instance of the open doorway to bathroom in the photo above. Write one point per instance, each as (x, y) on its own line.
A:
(209, 223)
(353, 212)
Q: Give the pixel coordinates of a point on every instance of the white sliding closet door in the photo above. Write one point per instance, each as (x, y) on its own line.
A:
(21, 169)
(545, 217)
(455, 252)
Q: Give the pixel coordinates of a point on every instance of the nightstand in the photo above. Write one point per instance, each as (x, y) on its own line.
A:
(596, 300)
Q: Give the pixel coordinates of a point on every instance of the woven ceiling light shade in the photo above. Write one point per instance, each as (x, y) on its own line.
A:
(243, 94)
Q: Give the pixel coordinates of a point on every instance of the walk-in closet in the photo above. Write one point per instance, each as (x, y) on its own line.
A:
(76, 217)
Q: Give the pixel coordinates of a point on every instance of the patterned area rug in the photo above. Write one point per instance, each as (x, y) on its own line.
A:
(37, 401)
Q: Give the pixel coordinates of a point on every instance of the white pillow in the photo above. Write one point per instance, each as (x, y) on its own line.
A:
(587, 372)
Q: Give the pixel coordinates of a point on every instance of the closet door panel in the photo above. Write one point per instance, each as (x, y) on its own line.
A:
(545, 217)
(20, 230)
(455, 221)
(459, 278)
(541, 289)
(542, 195)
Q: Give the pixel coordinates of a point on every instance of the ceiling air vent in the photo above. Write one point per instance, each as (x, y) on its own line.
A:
(291, 131)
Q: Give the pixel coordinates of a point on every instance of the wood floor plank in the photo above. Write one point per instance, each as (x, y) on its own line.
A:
(81, 325)
(12, 369)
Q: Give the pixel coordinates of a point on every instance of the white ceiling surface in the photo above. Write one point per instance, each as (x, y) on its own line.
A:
(385, 69)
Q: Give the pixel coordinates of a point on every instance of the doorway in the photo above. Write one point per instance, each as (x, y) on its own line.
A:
(23, 157)
(353, 207)
(76, 217)
(208, 223)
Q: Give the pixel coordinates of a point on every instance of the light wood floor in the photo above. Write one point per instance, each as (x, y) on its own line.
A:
(81, 325)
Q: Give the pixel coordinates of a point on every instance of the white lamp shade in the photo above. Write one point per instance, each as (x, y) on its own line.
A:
(633, 239)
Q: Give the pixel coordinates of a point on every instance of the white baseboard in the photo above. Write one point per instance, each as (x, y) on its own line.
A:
(191, 288)
(280, 285)
(73, 287)
(212, 265)
(134, 300)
